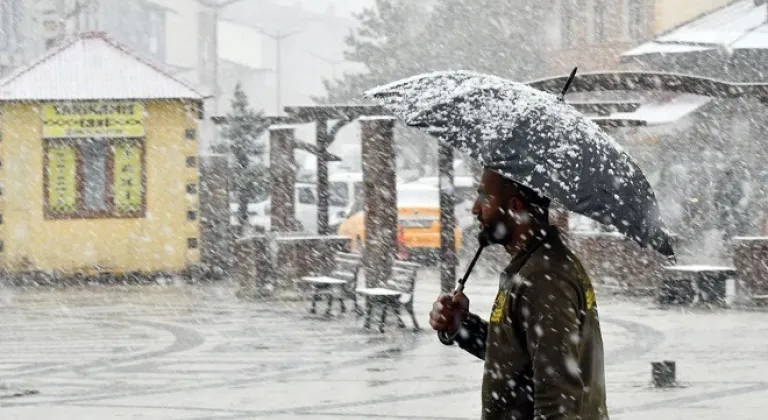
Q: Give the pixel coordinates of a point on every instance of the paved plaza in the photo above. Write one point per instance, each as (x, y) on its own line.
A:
(188, 352)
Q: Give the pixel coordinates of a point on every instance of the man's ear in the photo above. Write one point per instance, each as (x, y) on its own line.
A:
(516, 205)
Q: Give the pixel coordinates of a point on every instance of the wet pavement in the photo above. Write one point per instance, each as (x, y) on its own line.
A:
(197, 352)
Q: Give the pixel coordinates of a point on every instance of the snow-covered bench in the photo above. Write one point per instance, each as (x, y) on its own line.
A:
(340, 284)
(683, 284)
(395, 294)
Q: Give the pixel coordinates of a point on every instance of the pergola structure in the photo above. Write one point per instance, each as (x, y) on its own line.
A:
(320, 115)
(645, 82)
(379, 154)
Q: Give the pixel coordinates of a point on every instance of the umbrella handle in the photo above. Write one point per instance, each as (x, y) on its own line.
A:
(463, 281)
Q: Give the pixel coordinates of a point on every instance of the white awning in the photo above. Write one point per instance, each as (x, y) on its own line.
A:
(665, 111)
(740, 25)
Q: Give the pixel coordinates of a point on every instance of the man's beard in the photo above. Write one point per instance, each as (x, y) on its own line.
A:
(495, 233)
(498, 233)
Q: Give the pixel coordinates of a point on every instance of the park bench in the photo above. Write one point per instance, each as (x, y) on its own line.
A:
(339, 285)
(394, 294)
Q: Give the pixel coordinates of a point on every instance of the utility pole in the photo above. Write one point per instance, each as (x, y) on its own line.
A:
(211, 73)
(279, 37)
(330, 62)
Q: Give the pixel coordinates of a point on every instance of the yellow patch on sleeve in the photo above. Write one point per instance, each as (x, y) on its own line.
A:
(589, 294)
(498, 307)
(590, 297)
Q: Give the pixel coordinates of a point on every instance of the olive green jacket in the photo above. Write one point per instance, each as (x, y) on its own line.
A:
(542, 346)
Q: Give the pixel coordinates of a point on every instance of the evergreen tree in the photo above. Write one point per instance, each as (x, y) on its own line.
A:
(244, 144)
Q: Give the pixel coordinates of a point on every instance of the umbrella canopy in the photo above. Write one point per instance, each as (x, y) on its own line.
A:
(536, 139)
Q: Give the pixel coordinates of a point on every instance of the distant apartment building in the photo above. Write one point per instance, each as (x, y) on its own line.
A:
(28, 28)
(592, 34)
(12, 15)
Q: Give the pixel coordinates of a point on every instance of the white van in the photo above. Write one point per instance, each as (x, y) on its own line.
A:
(343, 188)
(306, 209)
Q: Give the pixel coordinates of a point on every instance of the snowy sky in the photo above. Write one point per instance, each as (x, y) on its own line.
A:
(343, 7)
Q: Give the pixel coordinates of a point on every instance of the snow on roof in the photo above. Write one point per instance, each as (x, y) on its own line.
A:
(750, 238)
(92, 66)
(346, 176)
(739, 25)
(664, 112)
(282, 127)
(654, 47)
(698, 268)
(376, 118)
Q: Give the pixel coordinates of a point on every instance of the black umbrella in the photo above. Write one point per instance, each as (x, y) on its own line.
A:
(535, 139)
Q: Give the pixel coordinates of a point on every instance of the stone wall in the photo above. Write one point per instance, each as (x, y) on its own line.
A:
(611, 259)
(272, 264)
(253, 268)
(299, 256)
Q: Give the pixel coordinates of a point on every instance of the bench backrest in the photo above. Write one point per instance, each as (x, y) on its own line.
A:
(403, 278)
(347, 266)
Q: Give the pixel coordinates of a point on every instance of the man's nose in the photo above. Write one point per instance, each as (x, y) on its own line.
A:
(476, 208)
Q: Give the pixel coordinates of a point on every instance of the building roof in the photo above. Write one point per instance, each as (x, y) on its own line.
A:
(739, 25)
(92, 66)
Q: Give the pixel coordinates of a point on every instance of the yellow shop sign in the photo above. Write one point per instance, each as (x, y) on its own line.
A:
(93, 119)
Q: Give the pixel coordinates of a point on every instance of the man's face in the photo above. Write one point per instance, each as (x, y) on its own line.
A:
(498, 209)
(489, 207)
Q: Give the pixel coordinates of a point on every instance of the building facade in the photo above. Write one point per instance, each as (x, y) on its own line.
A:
(99, 165)
(592, 34)
(30, 27)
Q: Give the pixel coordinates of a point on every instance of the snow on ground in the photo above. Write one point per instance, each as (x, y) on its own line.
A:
(197, 352)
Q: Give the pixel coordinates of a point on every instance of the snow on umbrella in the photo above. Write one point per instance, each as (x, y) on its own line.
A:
(536, 139)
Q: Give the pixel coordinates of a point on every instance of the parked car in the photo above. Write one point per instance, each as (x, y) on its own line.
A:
(306, 210)
(418, 208)
(343, 187)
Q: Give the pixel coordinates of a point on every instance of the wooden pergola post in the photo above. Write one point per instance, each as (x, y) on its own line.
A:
(321, 137)
(379, 189)
(283, 178)
(447, 218)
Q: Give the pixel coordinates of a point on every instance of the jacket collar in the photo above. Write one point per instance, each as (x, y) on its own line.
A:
(551, 236)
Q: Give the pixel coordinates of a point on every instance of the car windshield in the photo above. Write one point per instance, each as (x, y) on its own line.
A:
(337, 194)
(306, 196)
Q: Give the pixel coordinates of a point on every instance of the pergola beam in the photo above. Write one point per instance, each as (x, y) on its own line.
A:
(312, 113)
(653, 81)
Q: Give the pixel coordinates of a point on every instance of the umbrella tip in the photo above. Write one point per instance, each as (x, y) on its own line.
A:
(568, 83)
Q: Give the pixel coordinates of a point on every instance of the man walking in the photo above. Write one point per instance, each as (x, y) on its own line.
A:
(542, 345)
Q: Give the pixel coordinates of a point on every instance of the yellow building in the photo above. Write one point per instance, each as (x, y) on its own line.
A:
(669, 14)
(98, 174)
